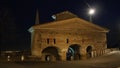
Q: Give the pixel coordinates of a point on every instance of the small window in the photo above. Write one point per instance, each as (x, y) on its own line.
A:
(54, 41)
(48, 40)
(67, 40)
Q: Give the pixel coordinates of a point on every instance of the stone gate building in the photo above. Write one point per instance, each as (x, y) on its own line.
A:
(67, 38)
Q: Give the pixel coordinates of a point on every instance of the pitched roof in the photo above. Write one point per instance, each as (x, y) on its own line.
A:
(73, 23)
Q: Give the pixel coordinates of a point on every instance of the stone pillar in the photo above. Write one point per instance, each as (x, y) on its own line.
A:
(95, 54)
(62, 54)
(92, 54)
(100, 53)
(104, 51)
(83, 53)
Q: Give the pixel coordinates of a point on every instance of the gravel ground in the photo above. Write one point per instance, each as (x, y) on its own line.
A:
(110, 60)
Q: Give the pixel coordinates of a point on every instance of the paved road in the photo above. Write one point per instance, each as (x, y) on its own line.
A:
(111, 60)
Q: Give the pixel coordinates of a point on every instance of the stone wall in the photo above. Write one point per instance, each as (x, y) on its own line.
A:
(58, 39)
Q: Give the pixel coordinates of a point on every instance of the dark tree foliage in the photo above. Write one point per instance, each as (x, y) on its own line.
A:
(7, 28)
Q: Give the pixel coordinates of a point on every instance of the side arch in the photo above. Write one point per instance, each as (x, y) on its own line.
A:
(89, 50)
(50, 54)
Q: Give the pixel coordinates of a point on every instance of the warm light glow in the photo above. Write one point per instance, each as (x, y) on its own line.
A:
(91, 11)
(8, 58)
(22, 58)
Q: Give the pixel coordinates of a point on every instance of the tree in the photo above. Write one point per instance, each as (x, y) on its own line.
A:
(7, 28)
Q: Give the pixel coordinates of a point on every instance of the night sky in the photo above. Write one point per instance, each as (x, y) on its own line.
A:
(17, 16)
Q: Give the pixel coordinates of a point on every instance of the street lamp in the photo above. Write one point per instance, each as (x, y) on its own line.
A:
(91, 13)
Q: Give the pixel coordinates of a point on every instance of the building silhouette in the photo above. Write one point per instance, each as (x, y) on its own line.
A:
(68, 37)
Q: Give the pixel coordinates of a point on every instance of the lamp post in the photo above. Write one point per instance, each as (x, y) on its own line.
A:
(91, 13)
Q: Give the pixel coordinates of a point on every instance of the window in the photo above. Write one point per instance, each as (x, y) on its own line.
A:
(67, 40)
(54, 41)
(48, 40)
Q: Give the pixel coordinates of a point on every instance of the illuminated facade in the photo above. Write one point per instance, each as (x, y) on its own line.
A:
(67, 38)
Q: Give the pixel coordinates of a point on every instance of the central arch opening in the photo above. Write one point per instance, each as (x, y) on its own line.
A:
(50, 54)
(73, 52)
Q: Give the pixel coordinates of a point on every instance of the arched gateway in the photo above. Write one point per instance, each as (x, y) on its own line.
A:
(50, 54)
(73, 52)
